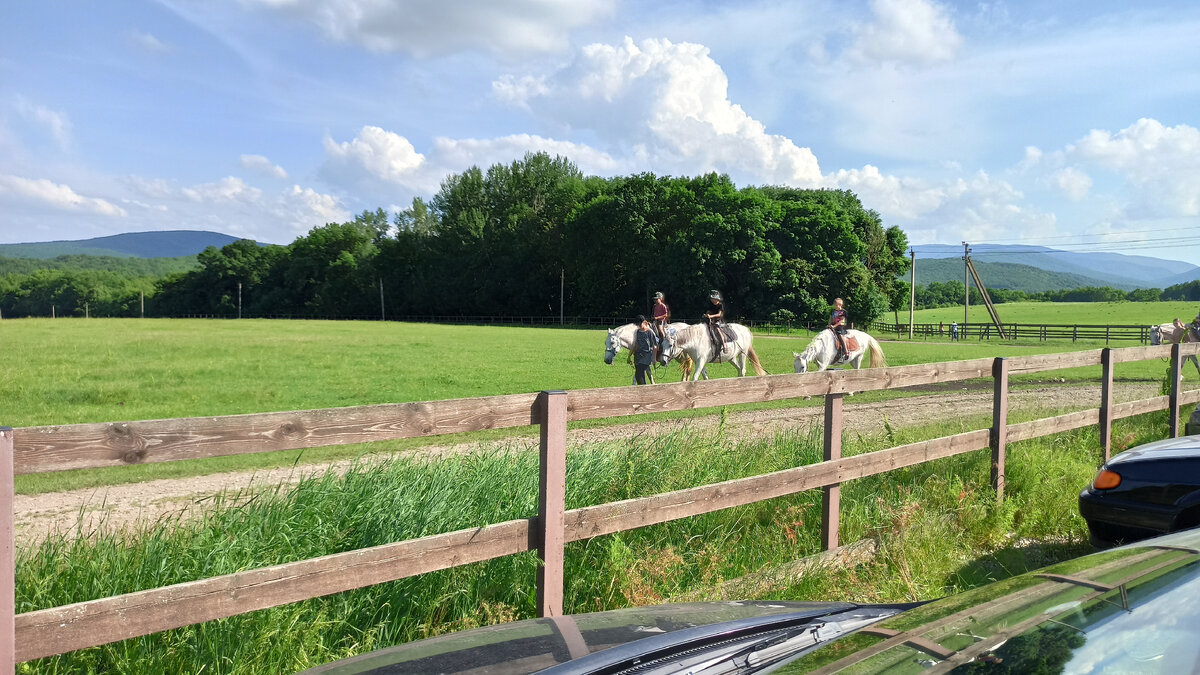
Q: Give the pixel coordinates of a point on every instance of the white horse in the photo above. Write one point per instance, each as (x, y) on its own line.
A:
(694, 341)
(1175, 333)
(823, 351)
(621, 337)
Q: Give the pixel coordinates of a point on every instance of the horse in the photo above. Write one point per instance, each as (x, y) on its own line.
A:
(694, 341)
(1176, 332)
(823, 351)
(622, 337)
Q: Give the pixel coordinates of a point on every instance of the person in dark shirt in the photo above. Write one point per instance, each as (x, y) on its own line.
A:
(837, 324)
(715, 315)
(645, 343)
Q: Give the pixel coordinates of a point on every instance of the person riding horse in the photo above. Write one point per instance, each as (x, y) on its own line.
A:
(837, 324)
(661, 314)
(715, 315)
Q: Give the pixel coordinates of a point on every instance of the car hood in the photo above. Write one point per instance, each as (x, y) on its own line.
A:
(594, 642)
(1184, 447)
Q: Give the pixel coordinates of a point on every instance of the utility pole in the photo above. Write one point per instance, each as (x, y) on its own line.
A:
(142, 295)
(966, 286)
(239, 299)
(562, 285)
(912, 291)
(382, 316)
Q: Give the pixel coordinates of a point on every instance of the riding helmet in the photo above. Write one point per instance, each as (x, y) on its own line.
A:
(714, 294)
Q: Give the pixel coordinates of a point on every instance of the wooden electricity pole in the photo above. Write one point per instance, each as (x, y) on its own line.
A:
(912, 291)
(966, 287)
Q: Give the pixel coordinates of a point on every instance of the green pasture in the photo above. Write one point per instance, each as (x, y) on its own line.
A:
(64, 371)
(938, 527)
(1067, 313)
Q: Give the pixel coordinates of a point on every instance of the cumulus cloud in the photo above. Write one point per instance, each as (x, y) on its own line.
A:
(55, 195)
(459, 154)
(1074, 183)
(665, 104)
(382, 154)
(429, 27)
(978, 207)
(263, 165)
(1160, 163)
(229, 189)
(907, 31)
(57, 124)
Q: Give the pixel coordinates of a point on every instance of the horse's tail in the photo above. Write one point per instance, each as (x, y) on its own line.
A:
(877, 360)
(758, 369)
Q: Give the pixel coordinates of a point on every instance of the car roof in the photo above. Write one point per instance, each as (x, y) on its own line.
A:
(1184, 447)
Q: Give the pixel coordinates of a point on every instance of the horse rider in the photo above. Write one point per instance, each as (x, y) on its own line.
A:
(645, 345)
(715, 315)
(661, 314)
(837, 325)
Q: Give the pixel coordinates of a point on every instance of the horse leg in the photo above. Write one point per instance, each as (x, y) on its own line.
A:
(698, 367)
(739, 362)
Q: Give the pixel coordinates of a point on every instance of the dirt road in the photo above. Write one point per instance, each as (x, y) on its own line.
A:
(139, 505)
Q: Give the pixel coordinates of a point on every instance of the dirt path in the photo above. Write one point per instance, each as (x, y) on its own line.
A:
(139, 505)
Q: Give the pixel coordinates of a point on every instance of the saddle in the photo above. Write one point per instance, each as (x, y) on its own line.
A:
(849, 342)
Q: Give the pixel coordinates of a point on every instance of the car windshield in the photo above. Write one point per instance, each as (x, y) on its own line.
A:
(1125, 611)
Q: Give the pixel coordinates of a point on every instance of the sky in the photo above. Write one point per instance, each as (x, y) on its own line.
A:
(1069, 124)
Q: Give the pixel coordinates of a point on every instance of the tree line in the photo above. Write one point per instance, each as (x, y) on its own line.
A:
(517, 239)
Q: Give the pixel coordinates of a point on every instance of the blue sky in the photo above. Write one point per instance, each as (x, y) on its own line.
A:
(1067, 124)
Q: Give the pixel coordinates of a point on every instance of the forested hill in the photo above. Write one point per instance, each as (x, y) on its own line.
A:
(1010, 276)
(127, 266)
(164, 244)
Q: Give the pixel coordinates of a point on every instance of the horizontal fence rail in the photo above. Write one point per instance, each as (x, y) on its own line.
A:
(95, 622)
(1038, 332)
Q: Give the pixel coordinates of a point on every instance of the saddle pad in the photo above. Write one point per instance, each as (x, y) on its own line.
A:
(851, 344)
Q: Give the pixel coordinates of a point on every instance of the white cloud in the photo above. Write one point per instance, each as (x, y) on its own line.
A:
(459, 154)
(229, 189)
(907, 31)
(263, 165)
(57, 124)
(1074, 183)
(1161, 163)
(668, 105)
(427, 27)
(309, 208)
(148, 42)
(976, 208)
(56, 195)
(518, 90)
(382, 154)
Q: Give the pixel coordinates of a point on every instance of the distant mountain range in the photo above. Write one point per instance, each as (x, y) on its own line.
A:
(164, 244)
(1038, 268)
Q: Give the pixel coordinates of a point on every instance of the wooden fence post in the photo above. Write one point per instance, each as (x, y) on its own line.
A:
(1106, 401)
(999, 435)
(1173, 408)
(552, 493)
(832, 494)
(8, 558)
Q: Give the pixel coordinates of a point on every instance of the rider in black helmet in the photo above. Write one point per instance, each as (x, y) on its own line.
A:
(715, 314)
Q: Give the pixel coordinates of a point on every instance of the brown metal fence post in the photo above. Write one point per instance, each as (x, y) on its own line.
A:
(8, 558)
(999, 424)
(832, 497)
(1106, 401)
(1173, 409)
(552, 492)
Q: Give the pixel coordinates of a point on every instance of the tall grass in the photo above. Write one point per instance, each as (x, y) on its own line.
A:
(938, 527)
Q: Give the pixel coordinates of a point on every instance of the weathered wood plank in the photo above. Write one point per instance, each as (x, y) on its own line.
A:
(78, 446)
(552, 497)
(1141, 407)
(86, 624)
(1176, 382)
(1106, 402)
(1042, 362)
(615, 402)
(8, 556)
(831, 499)
(999, 432)
(1127, 354)
(1052, 425)
(593, 521)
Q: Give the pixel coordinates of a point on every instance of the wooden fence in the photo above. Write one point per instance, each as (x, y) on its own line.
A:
(57, 630)
(1034, 332)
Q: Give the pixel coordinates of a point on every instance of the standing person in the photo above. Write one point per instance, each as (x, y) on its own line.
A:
(645, 342)
(953, 331)
(941, 328)
(837, 324)
(715, 316)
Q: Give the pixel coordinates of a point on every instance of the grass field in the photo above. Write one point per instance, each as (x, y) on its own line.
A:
(938, 527)
(1066, 313)
(64, 371)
